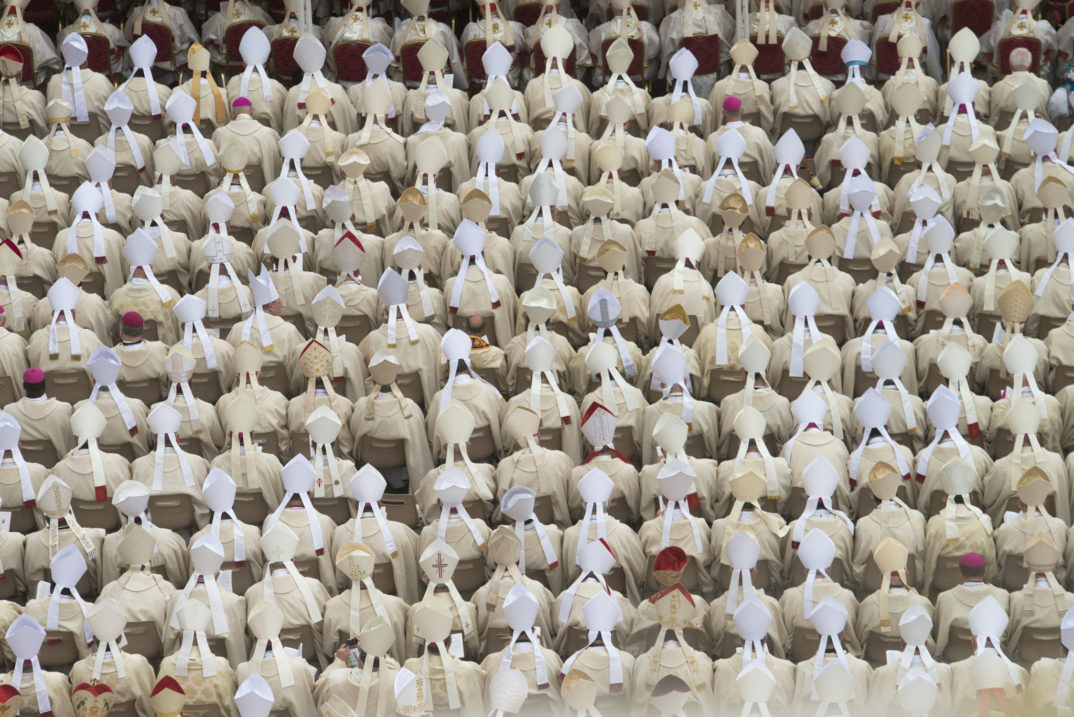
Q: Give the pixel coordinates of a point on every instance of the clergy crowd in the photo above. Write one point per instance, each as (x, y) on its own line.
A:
(541, 358)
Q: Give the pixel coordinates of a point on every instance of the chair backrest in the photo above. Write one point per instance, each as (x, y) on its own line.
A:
(804, 643)
(410, 384)
(1038, 643)
(527, 14)
(350, 65)
(577, 639)
(496, 638)
(355, 327)
(321, 176)
(475, 68)
(94, 514)
(412, 69)
(174, 511)
(233, 63)
(1007, 44)
(18, 132)
(282, 59)
(250, 506)
(551, 437)
(770, 60)
(706, 49)
(206, 386)
(470, 575)
(401, 507)
(242, 577)
(58, 650)
(481, 445)
(124, 709)
(540, 61)
(126, 179)
(959, 644)
(877, 645)
(43, 234)
(217, 646)
(197, 182)
(202, 709)
(1062, 377)
(22, 519)
(655, 267)
(723, 382)
(9, 586)
(543, 510)
(696, 447)
(886, 8)
(309, 567)
(637, 64)
(384, 578)
(338, 509)
(192, 445)
(7, 390)
(143, 639)
(761, 577)
(273, 376)
(616, 579)
(887, 57)
(148, 390)
(71, 386)
(301, 635)
(161, 35)
(151, 127)
(383, 452)
(946, 575)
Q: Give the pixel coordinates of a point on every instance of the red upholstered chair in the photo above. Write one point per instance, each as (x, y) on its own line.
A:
(706, 48)
(886, 8)
(161, 36)
(539, 62)
(770, 62)
(975, 14)
(637, 65)
(472, 52)
(1057, 12)
(527, 13)
(829, 63)
(440, 11)
(106, 11)
(814, 10)
(642, 11)
(101, 53)
(412, 69)
(887, 57)
(276, 10)
(41, 12)
(233, 63)
(282, 58)
(347, 56)
(1007, 44)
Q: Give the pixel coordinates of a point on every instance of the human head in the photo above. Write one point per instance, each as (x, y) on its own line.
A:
(241, 106)
(131, 326)
(33, 382)
(971, 567)
(1020, 59)
(732, 109)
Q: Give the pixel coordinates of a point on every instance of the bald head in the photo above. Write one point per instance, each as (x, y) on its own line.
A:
(475, 324)
(1020, 59)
